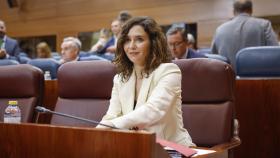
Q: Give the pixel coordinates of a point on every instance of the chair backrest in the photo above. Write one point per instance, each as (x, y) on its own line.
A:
(84, 90)
(23, 83)
(258, 62)
(8, 62)
(23, 54)
(91, 57)
(56, 56)
(23, 59)
(205, 50)
(208, 88)
(50, 65)
(217, 57)
(84, 54)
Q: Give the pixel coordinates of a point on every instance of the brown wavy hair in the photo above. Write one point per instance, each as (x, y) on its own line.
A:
(159, 52)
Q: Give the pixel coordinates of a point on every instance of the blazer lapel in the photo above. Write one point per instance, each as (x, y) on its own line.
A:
(144, 91)
(128, 94)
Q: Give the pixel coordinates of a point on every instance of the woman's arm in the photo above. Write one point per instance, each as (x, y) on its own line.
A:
(114, 109)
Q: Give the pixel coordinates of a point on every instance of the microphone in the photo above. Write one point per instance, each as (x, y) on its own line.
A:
(41, 109)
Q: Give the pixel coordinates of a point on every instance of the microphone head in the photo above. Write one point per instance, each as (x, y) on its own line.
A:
(41, 109)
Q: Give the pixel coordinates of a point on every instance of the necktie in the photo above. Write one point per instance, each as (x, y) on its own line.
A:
(1, 42)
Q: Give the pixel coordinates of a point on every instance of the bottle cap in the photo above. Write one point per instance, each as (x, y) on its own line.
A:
(13, 102)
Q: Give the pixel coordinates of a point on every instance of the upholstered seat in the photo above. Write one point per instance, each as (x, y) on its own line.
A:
(217, 57)
(23, 83)
(208, 97)
(50, 65)
(8, 62)
(84, 91)
(258, 62)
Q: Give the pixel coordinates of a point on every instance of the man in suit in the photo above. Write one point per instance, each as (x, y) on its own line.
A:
(70, 49)
(242, 31)
(9, 47)
(177, 40)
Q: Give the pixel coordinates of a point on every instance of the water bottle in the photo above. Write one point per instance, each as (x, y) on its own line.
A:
(47, 75)
(12, 113)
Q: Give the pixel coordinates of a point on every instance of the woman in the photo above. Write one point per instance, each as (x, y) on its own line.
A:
(147, 89)
(43, 50)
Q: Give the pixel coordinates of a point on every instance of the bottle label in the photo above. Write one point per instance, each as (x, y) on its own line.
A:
(12, 119)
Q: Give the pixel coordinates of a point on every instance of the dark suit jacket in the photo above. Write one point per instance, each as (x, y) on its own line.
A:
(193, 54)
(12, 48)
(111, 42)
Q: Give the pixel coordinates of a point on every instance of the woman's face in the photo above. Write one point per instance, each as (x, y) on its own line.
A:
(137, 45)
(41, 53)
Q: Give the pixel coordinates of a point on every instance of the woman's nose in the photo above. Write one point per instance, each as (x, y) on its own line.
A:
(132, 45)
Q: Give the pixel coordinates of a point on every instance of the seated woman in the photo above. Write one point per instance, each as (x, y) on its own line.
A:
(147, 89)
(43, 50)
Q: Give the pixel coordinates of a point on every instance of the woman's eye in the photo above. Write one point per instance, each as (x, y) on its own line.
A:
(127, 40)
(139, 39)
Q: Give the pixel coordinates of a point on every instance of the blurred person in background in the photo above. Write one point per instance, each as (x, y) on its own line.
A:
(43, 50)
(116, 26)
(9, 48)
(191, 42)
(70, 49)
(241, 32)
(177, 41)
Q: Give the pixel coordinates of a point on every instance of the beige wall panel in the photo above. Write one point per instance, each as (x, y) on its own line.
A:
(266, 7)
(45, 17)
(206, 31)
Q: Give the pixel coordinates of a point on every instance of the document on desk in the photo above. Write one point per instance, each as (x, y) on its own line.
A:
(202, 152)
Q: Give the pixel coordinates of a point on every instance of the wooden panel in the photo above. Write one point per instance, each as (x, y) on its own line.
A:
(258, 111)
(32, 141)
(206, 34)
(49, 99)
(35, 18)
(38, 17)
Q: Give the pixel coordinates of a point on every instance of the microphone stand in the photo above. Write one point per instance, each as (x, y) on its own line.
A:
(45, 110)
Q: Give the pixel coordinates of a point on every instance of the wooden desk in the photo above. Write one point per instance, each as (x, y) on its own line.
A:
(34, 140)
(38, 140)
(257, 109)
(258, 112)
(49, 99)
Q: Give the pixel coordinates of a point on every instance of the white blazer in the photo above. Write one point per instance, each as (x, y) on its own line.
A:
(158, 107)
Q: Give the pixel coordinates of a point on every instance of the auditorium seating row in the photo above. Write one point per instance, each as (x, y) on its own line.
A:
(258, 62)
(208, 109)
(253, 61)
(250, 62)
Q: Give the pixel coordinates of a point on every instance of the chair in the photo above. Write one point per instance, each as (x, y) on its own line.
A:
(50, 65)
(84, 54)
(91, 57)
(205, 50)
(23, 59)
(84, 90)
(258, 62)
(23, 54)
(56, 56)
(217, 57)
(8, 62)
(23, 83)
(208, 89)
